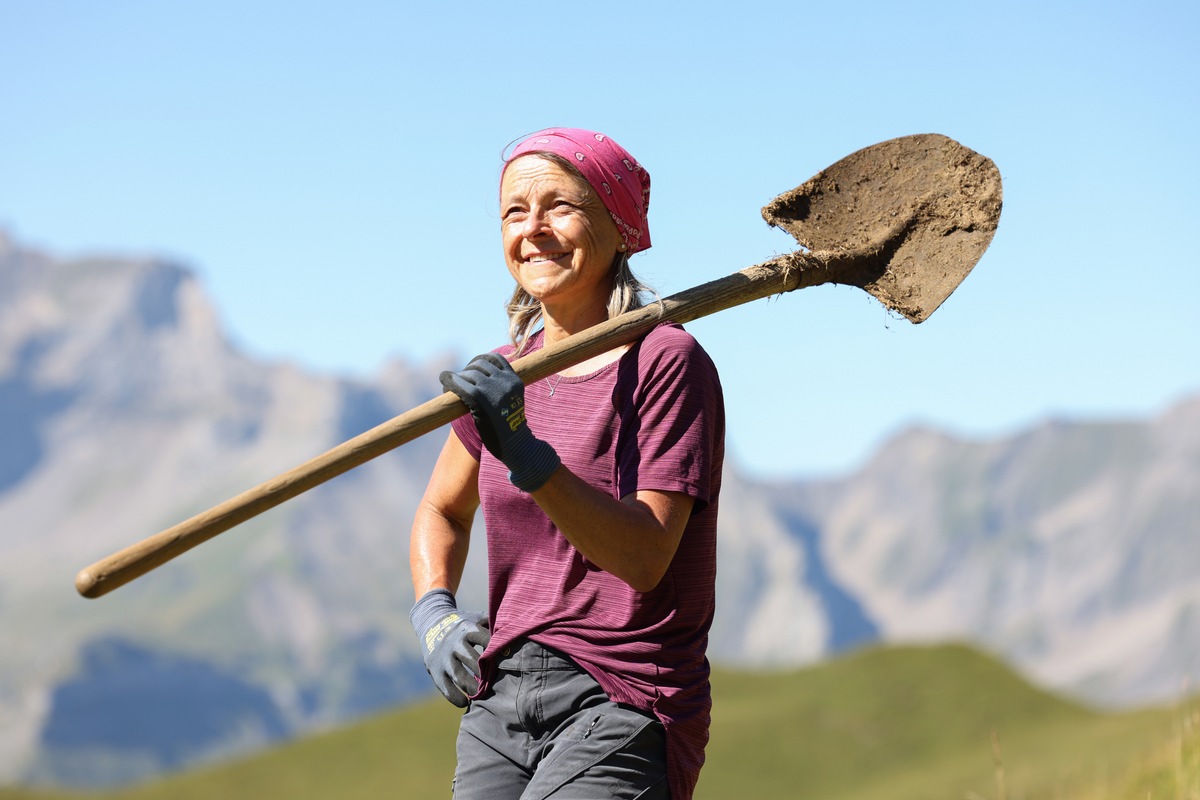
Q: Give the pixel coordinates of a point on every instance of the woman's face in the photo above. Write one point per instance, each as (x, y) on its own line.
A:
(559, 239)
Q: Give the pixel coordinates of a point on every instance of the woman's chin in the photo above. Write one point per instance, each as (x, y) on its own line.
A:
(542, 289)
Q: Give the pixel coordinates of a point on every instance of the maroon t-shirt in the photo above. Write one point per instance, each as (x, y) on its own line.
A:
(654, 419)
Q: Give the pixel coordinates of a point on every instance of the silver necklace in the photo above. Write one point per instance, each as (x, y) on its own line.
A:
(554, 385)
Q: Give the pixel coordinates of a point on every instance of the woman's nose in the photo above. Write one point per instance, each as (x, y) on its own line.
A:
(535, 224)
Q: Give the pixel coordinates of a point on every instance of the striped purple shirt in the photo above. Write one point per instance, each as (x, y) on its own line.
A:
(654, 419)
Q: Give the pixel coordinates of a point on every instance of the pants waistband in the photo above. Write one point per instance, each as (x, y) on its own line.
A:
(524, 655)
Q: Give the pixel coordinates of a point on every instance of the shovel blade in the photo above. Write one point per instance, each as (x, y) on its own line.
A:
(923, 207)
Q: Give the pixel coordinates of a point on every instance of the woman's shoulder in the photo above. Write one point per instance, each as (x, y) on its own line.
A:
(669, 344)
(670, 337)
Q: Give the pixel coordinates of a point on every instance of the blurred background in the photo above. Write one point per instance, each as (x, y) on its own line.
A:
(233, 235)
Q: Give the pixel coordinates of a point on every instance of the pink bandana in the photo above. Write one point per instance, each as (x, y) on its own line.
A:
(619, 180)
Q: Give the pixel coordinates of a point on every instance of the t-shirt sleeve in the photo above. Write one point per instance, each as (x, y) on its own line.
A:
(675, 439)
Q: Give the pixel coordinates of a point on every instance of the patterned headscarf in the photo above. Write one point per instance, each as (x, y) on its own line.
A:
(612, 172)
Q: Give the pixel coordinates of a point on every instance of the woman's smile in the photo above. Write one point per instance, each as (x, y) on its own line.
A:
(538, 258)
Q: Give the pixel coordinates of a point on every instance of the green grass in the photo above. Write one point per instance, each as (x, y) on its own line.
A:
(907, 723)
(894, 723)
(1169, 770)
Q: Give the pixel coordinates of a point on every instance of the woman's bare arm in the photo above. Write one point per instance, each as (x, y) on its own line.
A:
(441, 531)
(634, 538)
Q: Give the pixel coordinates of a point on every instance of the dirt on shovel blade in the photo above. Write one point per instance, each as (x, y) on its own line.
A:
(927, 205)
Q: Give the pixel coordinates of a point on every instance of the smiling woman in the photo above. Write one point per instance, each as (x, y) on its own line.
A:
(559, 242)
(587, 677)
(552, 217)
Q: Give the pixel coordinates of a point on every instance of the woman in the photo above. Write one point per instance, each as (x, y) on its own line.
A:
(599, 491)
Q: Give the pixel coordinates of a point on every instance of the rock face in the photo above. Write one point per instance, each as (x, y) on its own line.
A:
(1069, 549)
(124, 409)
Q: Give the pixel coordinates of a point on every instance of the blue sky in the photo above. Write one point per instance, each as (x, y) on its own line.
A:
(329, 170)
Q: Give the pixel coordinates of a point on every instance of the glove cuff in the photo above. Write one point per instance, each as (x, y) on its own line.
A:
(431, 609)
(530, 462)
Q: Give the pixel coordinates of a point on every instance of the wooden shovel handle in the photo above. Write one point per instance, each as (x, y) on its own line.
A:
(781, 274)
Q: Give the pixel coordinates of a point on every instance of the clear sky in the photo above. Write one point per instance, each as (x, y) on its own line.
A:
(329, 170)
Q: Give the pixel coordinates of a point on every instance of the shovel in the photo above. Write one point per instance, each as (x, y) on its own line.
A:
(906, 220)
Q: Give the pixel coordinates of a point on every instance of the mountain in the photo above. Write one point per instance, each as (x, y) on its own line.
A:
(124, 408)
(1070, 549)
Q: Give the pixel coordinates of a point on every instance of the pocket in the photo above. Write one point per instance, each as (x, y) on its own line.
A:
(612, 751)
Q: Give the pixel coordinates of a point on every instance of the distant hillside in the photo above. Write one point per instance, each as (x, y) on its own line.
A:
(124, 408)
(882, 724)
(910, 722)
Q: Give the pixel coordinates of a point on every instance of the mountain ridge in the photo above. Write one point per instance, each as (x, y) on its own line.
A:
(124, 408)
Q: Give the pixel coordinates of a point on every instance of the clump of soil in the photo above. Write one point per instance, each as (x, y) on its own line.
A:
(916, 213)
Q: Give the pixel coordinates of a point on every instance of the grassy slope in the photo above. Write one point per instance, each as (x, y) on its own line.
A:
(907, 722)
(889, 723)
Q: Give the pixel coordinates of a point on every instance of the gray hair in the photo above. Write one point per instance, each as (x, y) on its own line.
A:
(628, 293)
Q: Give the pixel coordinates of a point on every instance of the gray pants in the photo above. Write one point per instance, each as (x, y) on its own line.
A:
(547, 730)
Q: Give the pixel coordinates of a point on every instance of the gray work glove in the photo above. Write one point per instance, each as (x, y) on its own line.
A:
(451, 642)
(496, 396)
